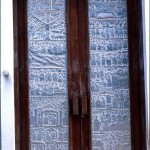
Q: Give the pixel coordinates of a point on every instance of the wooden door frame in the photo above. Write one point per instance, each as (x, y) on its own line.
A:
(21, 88)
(136, 71)
(78, 74)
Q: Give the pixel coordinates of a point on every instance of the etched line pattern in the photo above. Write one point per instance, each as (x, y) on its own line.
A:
(47, 59)
(109, 75)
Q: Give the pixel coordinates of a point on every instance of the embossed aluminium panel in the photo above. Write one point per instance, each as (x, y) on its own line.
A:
(47, 57)
(109, 75)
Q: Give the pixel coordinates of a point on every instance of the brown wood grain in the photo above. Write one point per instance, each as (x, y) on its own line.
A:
(136, 73)
(76, 105)
(78, 74)
(79, 54)
(73, 72)
(84, 73)
(21, 75)
(84, 110)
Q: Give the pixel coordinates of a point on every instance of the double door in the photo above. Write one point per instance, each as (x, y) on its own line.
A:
(76, 85)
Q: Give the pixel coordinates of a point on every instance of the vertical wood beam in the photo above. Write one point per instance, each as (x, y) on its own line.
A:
(84, 73)
(73, 72)
(78, 72)
(21, 89)
(136, 72)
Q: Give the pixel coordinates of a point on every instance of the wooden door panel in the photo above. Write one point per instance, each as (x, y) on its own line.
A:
(73, 73)
(76, 68)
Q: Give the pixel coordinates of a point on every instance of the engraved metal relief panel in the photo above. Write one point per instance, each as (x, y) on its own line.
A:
(47, 60)
(109, 75)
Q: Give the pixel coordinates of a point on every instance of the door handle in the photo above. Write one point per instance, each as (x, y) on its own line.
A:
(76, 110)
(84, 110)
(76, 105)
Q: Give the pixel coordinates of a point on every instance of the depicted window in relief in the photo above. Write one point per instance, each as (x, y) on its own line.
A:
(109, 75)
(47, 60)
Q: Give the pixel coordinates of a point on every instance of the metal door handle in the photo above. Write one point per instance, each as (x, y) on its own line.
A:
(83, 109)
(5, 73)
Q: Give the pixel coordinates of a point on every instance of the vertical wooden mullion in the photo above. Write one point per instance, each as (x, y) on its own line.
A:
(84, 72)
(78, 72)
(73, 73)
(136, 73)
(21, 89)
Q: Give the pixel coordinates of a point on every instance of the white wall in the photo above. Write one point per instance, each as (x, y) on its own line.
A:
(146, 44)
(7, 91)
